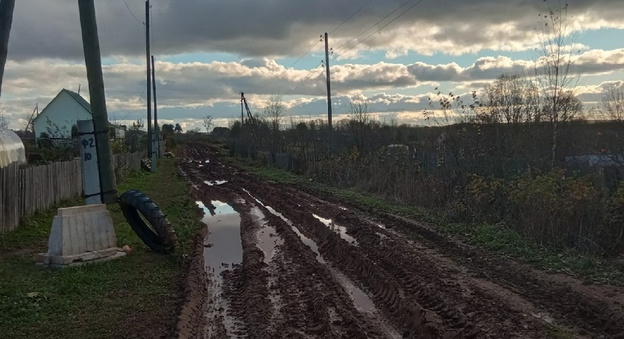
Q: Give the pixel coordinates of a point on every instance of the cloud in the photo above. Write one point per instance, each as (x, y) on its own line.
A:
(192, 90)
(283, 27)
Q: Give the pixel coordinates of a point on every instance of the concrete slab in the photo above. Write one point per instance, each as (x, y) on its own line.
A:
(80, 235)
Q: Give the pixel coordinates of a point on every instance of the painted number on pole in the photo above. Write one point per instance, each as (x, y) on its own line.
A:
(88, 143)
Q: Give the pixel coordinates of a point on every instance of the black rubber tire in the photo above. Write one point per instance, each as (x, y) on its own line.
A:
(159, 234)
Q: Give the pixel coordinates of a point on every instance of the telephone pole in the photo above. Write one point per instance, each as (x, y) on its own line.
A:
(91, 46)
(329, 105)
(242, 117)
(149, 92)
(156, 131)
(6, 19)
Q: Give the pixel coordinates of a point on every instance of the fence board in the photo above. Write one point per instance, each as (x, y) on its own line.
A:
(24, 191)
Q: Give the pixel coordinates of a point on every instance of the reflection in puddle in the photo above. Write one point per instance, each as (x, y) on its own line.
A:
(224, 247)
(215, 182)
(223, 250)
(360, 299)
(337, 228)
(307, 241)
(268, 240)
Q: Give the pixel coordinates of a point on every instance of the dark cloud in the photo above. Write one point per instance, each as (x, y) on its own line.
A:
(51, 29)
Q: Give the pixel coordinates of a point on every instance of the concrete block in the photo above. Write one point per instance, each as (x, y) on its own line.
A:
(81, 234)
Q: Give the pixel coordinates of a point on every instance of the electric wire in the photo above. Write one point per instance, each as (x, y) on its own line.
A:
(332, 31)
(351, 17)
(381, 28)
(373, 25)
(134, 16)
(310, 73)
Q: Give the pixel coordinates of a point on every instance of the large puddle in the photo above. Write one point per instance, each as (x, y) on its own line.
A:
(222, 247)
(341, 230)
(222, 250)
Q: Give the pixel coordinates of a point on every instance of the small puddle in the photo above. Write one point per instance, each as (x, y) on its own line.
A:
(215, 182)
(362, 302)
(268, 240)
(307, 241)
(337, 228)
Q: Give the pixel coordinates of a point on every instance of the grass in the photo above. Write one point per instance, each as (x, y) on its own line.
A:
(496, 238)
(134, 297)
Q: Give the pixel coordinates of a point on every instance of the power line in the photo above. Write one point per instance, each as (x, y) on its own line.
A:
(332, 31)
(310, 73)
(351, 17)
(303, 55)
(134, 16)
(373, 25)
(382, 27)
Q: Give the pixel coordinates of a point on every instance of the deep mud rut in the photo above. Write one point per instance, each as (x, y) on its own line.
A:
(279, 262)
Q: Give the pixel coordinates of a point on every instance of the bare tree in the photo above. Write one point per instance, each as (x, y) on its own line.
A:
(613, 103)
(359, 120)
(510, 99)
(569, 108)
(554, 67)
(274, 112)
(6, 19)
(208, 122)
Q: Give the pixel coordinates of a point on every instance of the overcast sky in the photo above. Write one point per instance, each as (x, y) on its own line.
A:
(391, 53)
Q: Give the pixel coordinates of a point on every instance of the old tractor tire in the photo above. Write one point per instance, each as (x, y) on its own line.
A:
(147, 221)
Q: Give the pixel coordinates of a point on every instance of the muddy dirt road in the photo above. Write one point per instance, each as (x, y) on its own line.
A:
(281, 263)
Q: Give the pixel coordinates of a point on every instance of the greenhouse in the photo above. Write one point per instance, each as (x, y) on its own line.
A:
(11, 148)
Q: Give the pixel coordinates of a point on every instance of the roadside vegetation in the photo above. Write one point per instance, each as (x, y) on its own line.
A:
(137, 296)
(497, 237)
(520, 155)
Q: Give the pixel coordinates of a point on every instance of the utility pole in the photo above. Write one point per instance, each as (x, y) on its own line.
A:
(6, 19)
(149, 92)
(329, 104)
(242, 117)
(156, 131)
(91, 46)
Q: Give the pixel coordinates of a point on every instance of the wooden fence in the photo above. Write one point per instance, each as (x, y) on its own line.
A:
(24, 191)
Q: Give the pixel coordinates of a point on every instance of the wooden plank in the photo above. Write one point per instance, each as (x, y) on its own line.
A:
(28, 190)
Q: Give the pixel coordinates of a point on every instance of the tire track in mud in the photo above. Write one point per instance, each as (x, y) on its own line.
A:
(431, 288)
(313, 304)
(432, 300)
(591, 314)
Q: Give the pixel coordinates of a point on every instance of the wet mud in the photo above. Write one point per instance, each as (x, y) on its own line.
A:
(284, 263)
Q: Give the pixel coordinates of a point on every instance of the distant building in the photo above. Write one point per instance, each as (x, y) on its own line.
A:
(58, 119)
